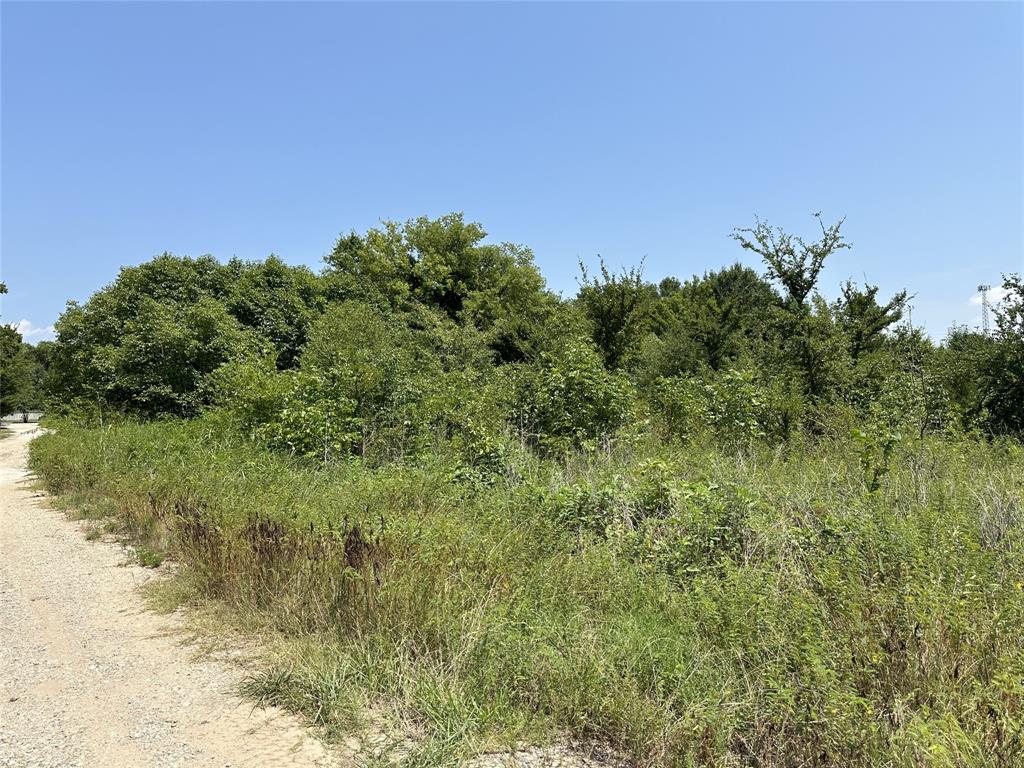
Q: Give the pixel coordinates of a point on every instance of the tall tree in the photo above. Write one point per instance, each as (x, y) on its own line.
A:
(792, 261)
(15, 380)
(1003, 379)
(720, 312)
(615, 306)
(444, 265)
(960, 366)
(144, 343)
(864, 319)
(279, 302)
(805, 329)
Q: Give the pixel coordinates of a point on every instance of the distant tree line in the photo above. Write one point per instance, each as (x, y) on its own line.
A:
(22, 370)
(420, 330)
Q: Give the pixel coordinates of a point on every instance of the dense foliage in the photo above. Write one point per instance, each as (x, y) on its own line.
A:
(712, 521)
(22, 367)
(449, 307)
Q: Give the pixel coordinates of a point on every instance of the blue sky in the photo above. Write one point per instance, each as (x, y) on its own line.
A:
(626, 130)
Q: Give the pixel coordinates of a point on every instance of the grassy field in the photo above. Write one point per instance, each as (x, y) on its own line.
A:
(804, 606)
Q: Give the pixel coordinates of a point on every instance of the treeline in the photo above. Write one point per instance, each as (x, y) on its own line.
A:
(421, 331)
(22, 370)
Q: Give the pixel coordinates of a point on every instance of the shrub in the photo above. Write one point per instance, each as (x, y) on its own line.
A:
(569, 400)
(727, 404)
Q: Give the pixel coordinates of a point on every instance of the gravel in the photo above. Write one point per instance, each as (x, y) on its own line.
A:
(90, 677)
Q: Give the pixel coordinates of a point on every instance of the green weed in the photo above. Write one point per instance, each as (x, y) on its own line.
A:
(148, 558)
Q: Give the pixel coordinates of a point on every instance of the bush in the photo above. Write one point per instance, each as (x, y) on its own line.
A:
(728, 404)
(569, 400)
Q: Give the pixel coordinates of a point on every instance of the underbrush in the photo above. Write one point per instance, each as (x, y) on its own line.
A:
(684, 606)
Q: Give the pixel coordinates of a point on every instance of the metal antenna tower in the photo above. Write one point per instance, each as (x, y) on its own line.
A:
(984, 289)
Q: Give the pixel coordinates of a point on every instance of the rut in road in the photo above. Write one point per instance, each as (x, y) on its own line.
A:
(90, 677)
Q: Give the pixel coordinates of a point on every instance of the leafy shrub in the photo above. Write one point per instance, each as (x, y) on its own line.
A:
(317, 418)
(654, 517)
(248, 390)
(728, 404)
(569, 400)
(704, 525)
(876, 453)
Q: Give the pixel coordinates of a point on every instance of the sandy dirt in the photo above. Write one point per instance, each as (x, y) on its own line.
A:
(90, 677)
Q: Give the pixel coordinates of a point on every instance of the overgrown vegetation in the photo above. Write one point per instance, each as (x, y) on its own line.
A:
(702, 522)
(22, 367)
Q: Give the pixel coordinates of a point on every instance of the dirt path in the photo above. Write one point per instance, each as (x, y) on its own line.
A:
(89, 677)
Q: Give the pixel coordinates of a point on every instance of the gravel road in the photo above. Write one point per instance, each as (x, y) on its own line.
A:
(89, 677)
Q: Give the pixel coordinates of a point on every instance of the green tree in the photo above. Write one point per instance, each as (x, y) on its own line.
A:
(803, 331)
(444, 264)
(1003, 377)
(958, 366)
(808, 347)
(568, 399)
(374, 268)
(277, 301)
(142, 356)
(145, 343)
(708, 321)
(615, 306)
(864, 319)
(373, 348)
(18, 389)
(15, 373)
(792, 261)
(371, 360)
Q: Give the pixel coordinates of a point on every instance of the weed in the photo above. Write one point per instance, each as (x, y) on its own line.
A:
(148, 558)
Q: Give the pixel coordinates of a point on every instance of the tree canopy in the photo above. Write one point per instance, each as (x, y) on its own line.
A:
(405, 312)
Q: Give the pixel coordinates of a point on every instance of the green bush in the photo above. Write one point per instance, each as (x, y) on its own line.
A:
(569, 400)
(729, 405)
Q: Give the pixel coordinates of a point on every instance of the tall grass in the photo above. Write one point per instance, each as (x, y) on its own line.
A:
(685, 607)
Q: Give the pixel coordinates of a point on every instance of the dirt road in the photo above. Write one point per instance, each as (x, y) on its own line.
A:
(89, 677)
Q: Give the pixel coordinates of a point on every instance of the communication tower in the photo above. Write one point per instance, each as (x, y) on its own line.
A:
(983, 290)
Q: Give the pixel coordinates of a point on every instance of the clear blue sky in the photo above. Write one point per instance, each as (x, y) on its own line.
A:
(628, 131)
